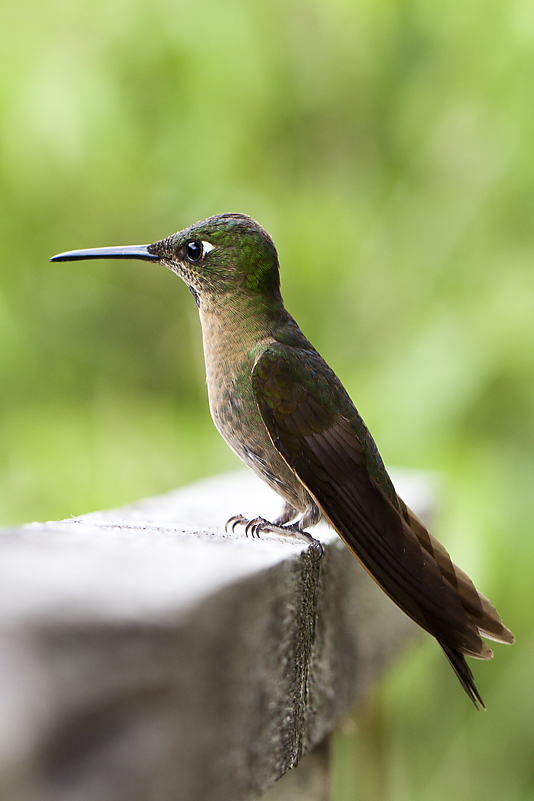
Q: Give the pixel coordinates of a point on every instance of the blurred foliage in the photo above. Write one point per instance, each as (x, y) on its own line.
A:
(387, 145)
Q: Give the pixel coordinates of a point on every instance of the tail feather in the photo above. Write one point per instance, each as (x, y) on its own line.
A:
(480, 612)
(462, 670)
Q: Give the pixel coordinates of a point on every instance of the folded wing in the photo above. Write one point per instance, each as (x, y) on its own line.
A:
(314, 426)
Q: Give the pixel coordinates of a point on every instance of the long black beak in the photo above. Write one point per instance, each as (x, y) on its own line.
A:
(120, 252)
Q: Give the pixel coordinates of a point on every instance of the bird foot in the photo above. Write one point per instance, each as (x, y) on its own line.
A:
(250, 525)
(260, 524)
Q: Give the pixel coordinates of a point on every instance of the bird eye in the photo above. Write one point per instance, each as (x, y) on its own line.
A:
(193, 250)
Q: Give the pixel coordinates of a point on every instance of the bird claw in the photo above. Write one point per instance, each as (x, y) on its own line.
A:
(252, 527)
(261, 525)
(236, 520)
(317, 549)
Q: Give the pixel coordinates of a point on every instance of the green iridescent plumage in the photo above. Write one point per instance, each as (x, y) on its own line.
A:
(283, 410)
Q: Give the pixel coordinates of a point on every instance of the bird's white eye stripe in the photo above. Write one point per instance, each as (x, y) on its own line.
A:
(207, 246)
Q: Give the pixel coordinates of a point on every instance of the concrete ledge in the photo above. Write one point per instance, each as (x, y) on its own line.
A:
(147, 655)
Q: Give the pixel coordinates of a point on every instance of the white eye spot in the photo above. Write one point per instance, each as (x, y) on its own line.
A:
(207, 246)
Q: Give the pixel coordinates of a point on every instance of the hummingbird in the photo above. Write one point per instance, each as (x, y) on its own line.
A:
(286, 414)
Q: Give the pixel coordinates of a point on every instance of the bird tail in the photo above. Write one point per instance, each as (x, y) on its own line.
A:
(479, 611)
(463, 671)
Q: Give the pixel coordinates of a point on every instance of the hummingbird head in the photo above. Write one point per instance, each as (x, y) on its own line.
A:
(224, 254)
(228, 253)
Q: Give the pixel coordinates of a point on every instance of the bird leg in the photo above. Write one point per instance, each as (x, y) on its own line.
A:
(288, 514)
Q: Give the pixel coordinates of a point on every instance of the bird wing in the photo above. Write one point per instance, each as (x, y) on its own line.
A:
(313, 424)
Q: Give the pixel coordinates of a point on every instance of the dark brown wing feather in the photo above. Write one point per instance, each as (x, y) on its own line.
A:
(319, 442)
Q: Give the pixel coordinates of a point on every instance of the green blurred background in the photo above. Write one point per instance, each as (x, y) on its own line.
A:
(389, 149)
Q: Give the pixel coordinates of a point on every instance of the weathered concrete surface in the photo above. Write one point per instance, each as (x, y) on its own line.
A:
(310, 781)
(147, 655)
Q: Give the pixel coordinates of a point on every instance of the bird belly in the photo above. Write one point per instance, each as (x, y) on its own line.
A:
(239, 422)
(229, 362)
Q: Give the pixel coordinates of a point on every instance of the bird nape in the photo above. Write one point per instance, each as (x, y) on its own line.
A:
(286, 414)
